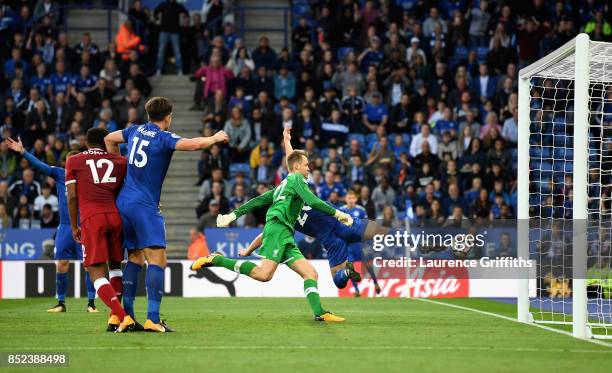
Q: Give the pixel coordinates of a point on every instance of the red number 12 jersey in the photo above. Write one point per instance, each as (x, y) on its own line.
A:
(99, 177)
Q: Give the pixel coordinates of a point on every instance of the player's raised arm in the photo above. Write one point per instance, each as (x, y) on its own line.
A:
(17, 146)
(263, 200)
(198, 143)
(112, 141)
(287, 141)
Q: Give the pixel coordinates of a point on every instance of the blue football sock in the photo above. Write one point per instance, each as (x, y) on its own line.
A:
(61, 281)
(341, 278)
(91, 290)
(130, 285)
(155, 290)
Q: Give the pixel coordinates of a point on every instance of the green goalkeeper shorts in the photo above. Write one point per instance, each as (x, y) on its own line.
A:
(279, 244)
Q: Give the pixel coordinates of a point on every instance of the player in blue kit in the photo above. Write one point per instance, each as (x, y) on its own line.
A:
(343, 243)
(66, 248)
(355, 249)
(150, 148)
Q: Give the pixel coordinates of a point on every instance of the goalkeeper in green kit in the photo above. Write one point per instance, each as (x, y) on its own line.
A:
(278, 245)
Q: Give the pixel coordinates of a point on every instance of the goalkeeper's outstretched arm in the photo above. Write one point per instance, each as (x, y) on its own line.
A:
(263, 200)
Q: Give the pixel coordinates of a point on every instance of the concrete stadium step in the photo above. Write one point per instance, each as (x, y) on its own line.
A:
(265, 19)
(81, 20)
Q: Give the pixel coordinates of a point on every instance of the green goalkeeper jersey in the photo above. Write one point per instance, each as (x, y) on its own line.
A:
(286, 201)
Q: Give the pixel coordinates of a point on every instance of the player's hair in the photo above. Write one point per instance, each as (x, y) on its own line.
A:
(158, 108)
(95, 137)
(295, 157)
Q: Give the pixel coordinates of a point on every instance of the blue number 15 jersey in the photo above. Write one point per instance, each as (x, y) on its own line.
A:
(149, 151)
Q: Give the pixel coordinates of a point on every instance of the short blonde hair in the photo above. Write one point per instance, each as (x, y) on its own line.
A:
(295, 157)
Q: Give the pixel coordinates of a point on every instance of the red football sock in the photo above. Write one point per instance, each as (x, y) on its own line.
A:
(109, 297)
(116, 281)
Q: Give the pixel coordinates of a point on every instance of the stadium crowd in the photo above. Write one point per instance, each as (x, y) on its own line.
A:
(412, 104)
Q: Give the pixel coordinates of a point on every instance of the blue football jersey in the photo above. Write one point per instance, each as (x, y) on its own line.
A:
(315, 224)
(149, 151)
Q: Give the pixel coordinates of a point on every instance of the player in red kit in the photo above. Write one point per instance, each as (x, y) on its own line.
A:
(93, 181)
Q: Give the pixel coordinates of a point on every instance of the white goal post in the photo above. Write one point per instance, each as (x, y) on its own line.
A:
(564, 183)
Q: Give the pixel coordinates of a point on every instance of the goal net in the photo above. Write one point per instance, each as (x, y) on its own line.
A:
(565, 187)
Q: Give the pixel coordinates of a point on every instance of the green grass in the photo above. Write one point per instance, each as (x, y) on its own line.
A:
(270, 335)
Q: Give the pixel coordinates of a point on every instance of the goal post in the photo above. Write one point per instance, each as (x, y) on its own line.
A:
(564, 185)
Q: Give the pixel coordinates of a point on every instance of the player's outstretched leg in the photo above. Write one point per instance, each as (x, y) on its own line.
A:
(91, 294)
(61, 283)
(303, 268)
(218, 260)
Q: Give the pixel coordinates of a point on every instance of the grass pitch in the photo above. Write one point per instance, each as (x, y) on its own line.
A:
(278, 335)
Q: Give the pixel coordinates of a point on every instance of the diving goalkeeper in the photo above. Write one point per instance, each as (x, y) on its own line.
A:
(278, 245)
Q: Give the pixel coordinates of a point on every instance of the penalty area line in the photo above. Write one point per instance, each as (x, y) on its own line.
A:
(594, 341)
(303, 347)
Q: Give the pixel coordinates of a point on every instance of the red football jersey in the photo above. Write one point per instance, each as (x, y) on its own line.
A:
(99, 177)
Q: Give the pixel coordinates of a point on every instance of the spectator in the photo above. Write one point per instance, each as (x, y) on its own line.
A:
(215, 76)
(23, 218)
(27, 186)
(127, 40)
(264, 173)
(433, 20)
(8, 163)
(48, 218)
(382, 195)
(111, 74)
(261, 148)
(168, 13)
(485, 85)
(376, 113)
(198, 246)
(284, 83)
(301, 34)
(45, 198)
(47, 8)
(239, 132)
(479, 23)
(209, 218)
(423, 136)
(6, 220)
(263, 55)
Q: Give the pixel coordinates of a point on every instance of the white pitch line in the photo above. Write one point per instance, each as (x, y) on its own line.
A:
(303, 347)
(595, 341)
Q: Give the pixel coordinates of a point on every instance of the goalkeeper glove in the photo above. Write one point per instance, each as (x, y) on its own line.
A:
(225, 220)
(344, 218)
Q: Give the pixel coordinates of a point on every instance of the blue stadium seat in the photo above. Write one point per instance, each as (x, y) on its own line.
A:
(301, 10)
(406, 139)
(239, 167)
